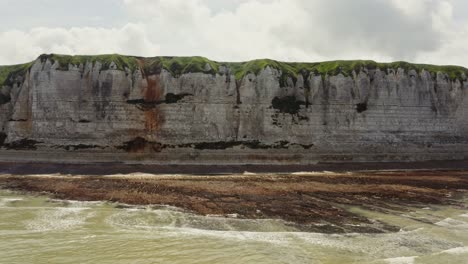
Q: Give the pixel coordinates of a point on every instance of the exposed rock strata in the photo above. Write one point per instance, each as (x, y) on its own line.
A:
(158, 116)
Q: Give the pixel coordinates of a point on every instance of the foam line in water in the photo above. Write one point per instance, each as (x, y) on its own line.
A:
(167, 217)
(6, 201)
(456, 251)
(153, 224)
(314, 173)
(452, 223)
(12, 199)
(183, 224)
(401, 260)
(75, 203)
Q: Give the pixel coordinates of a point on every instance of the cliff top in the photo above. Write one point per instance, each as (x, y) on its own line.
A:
(181, 65)
(12, 70)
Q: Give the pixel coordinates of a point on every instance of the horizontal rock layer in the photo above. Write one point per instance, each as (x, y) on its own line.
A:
(95, 113)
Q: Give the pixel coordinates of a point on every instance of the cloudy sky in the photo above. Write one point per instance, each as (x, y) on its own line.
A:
(425, 31)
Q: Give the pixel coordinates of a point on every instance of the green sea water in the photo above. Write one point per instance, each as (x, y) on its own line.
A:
(37, 229)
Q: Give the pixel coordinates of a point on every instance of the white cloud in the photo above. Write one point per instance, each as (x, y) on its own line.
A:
(293, 30)
(19, 46)
(413, 7)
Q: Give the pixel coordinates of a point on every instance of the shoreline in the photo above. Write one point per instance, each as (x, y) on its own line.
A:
(308, 201)
(106, 168)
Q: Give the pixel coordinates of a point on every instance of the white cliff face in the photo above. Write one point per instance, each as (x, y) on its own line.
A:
(370, 116)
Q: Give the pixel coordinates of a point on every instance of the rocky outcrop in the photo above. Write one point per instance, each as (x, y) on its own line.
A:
(222, 113)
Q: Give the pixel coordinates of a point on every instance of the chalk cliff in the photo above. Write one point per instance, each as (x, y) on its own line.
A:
(193, 110)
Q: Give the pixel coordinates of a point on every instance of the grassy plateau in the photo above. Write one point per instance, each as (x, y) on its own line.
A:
(180, 65)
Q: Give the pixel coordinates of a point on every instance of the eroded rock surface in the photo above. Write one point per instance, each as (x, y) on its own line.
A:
(89, 111)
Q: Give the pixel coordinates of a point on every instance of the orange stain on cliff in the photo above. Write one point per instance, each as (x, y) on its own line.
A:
(152, 94)
(153, 120)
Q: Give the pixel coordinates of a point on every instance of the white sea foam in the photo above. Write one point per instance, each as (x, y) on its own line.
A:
(278, 238)
(182, 224)
(6, 201)
(453, 223)
(456, 251)
(401, 260)
(75, 203)
(136, 175)
(304, 173)
(59, 219)
(151, 223)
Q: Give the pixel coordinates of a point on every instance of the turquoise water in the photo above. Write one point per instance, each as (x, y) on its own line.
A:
(36, 229)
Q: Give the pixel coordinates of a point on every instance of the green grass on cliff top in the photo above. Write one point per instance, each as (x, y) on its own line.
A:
(345, 67)
(121, 61)
(181, 65)
(13, 70)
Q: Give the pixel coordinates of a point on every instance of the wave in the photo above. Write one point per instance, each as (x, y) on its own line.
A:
(456, 251)
(452, 223)
(401, 260)
(6, 201)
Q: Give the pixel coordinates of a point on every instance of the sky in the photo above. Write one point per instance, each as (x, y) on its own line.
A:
(421, 31)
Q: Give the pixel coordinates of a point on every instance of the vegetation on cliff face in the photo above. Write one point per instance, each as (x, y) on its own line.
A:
(8, 73)
(122, 62)
(332, 68)
(181, 65)
(8, 76)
